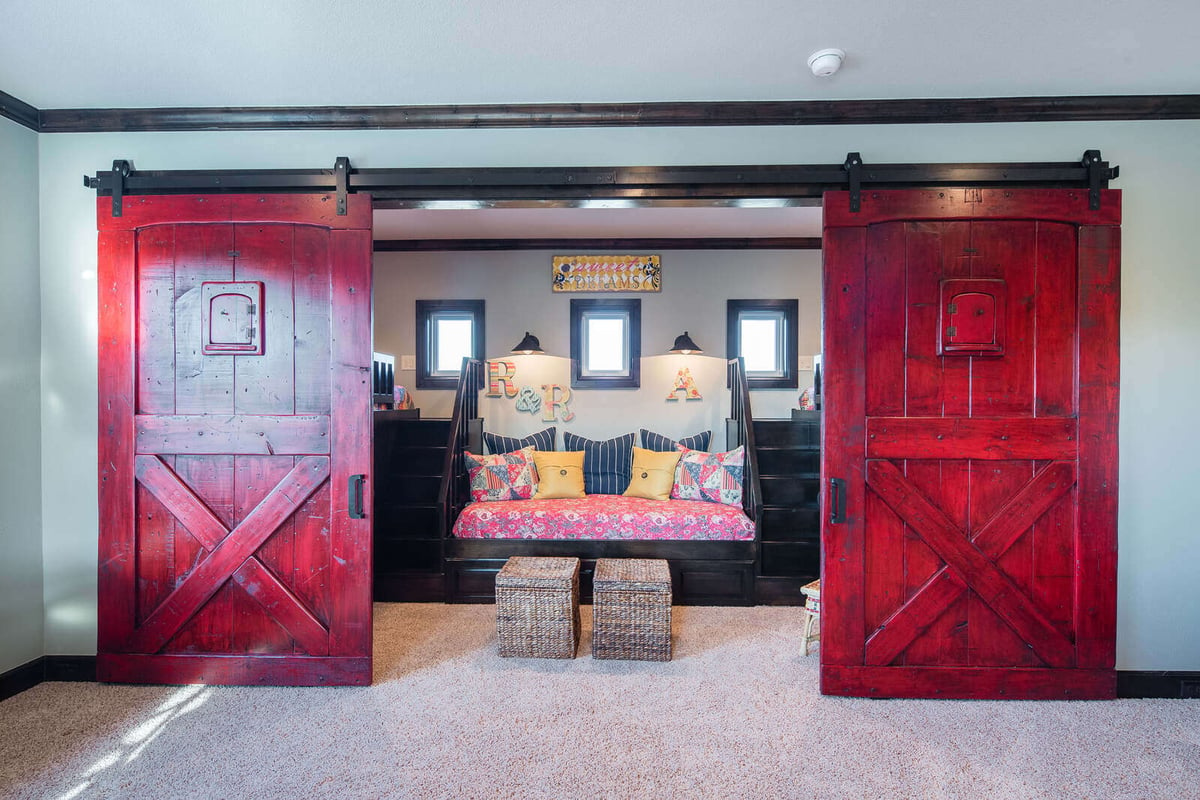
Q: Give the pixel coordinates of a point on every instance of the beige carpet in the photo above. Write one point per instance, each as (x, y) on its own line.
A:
(735, 715)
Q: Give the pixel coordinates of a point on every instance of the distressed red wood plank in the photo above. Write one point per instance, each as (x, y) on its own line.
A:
(1003, 439)
(958, 257)
(181, 501)
(1054, 373)
(239, 545)
(281, 604)
(116, 385)
(350, 559)
(1007, 250)
(156, 320)
(138, 211)
(155, 538)
(886, 320)
(253, 630)
(992, 484)
(961, 556)
(311, 548)
(311, 279)
(306, 209)
(970, 683)
(944, 640)
(884, 587)
(922, 387)
(1057, 205)
(1001, 532)
(211, 478)
(235, 670)
(240, 434)
(1099, 399)
(203, 384)
(913, 619)
(266, 384)
(1054, 564)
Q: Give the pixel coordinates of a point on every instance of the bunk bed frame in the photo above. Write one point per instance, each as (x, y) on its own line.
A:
(702, 573)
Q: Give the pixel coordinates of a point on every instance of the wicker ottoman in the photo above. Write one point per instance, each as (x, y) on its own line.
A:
(537, 607)
(631, 609)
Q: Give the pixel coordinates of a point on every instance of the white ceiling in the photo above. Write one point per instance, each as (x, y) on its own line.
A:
(599, 223)
(137, 53)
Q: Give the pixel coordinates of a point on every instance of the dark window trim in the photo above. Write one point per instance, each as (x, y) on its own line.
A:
(791, 339)
(632, 307)
(425, 309)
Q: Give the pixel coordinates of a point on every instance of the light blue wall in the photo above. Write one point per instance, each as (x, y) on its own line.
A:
(1158, 594)
(21, 611)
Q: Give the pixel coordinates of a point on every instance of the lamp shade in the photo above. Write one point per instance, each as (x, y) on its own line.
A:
(529, 345)
(685, 345)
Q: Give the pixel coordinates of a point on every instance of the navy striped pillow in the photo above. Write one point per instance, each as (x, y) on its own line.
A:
(498, 445)
(661, 444)
(607, 466)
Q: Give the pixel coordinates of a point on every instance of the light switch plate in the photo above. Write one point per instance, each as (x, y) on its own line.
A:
(410, 362)
(804, 363)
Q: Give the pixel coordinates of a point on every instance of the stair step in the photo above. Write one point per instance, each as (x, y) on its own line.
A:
(775, 432)
(405, 521)
(789, 491)
(407, 489)
(791, 524)
(409, 460)
(789, 460)
(413, 432)
(791, 558)
(392, 555)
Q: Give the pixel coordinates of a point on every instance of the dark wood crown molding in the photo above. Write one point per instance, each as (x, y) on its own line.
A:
(19, 111)
(633, 244)
(559, 115)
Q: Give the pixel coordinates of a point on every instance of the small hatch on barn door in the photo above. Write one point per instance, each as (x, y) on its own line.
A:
(973, 317)
(231, 318)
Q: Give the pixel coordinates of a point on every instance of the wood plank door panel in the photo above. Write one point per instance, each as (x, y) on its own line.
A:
(978, 553)
(226, 551)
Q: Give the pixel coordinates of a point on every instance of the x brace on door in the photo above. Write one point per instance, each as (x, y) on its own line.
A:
(231, 555)
(970, 563)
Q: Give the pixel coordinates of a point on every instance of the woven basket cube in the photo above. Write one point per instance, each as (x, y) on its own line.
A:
(631, 609)
(537, 607)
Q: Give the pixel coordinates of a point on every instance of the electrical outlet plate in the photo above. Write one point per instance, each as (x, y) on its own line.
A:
(804, 363)
(408, 362)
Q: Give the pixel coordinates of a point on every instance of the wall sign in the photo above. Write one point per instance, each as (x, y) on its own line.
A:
(606, 274)
(554, 401)
(686, 384)
(500, 379)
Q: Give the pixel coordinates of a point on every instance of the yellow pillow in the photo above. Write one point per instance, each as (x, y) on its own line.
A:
(560, 474)
(653, 474)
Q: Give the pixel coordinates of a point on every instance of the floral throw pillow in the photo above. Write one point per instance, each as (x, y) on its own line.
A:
(507, 476)
(713, 477)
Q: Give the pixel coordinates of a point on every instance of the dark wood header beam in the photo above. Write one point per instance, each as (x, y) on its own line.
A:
(19, 111)
(568, 115)
(642, 244)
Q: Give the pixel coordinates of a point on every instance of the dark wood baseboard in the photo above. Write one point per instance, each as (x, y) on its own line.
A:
(773, 590)
(410, 587)
(1164, 684)
(18, 679)
(47, 668)
(660, 243)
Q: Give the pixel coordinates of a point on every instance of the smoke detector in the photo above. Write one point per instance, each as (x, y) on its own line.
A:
(824, 63)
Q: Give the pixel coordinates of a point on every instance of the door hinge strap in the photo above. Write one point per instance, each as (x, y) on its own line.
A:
(1099, 174)
(853, 167)
(341, 176)
(120, 172)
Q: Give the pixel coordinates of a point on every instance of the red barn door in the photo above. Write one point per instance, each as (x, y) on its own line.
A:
(970, 459)
(235, 413)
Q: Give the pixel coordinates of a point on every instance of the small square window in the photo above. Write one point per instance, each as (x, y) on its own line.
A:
(764, 333)
(605, 343)
(447, 332)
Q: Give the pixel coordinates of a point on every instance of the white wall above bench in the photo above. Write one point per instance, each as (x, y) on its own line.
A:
(516, 287)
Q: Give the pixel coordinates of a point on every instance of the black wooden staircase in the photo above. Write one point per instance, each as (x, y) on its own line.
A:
(789, 465)
(410, 455)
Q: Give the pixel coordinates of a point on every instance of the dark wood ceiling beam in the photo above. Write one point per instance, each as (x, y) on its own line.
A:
(556, 115)
(574, 245)
(19, 111)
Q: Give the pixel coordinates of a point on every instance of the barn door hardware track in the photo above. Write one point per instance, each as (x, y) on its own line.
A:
(797, 184)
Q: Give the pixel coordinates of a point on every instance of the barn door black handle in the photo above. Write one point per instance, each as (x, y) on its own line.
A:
(356, 497)
(837, 501)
